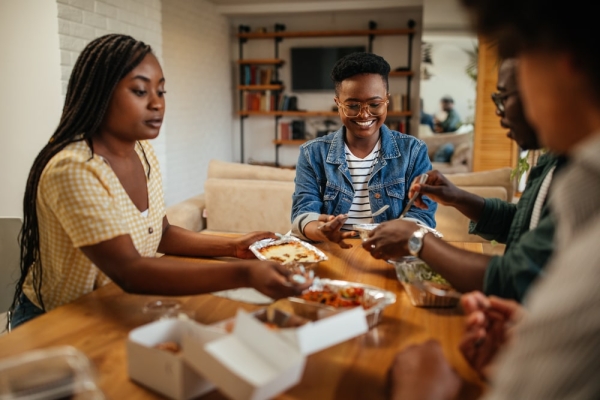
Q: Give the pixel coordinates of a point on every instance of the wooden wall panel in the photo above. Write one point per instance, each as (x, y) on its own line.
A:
(492, 149)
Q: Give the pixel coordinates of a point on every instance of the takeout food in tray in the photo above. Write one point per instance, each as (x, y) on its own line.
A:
(288, 250)
(272, 318)
(411, 269)
(364, 229)
(327, 297)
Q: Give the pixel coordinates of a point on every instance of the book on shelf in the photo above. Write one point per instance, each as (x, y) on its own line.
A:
(266, 75)
(253, 75)
(284, 102)
(398, 102)
(284, 132)
(246, 77)
(258, 101)
(396, 125)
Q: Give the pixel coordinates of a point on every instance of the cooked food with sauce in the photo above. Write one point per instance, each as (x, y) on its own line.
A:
(344, 297)
(289, 252)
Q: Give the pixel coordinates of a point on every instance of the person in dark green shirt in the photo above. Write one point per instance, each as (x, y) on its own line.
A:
(527, 228)
(452, 121)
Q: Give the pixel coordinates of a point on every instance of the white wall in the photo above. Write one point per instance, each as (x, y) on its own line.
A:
(449, 63)
(81, 21)
(198, 82)
(259, 131)
(30, 104)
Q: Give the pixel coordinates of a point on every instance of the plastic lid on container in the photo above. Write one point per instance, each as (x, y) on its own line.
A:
(54, 373)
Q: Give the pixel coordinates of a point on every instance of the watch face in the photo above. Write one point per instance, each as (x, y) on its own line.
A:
(414, 245)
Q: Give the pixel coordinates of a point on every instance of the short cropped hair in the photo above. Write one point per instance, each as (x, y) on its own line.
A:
(447, 99)
(360, 63)
(519, 26)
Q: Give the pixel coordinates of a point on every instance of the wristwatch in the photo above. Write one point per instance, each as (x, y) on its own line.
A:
(415, 242)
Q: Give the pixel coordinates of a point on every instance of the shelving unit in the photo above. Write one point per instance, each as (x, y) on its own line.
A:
(276, 86)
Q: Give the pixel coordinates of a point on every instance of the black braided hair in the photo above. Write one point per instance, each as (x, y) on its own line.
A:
(99, 68)
(359, 63)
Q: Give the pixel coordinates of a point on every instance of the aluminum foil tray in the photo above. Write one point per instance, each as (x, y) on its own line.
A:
(317, 255)
(376, 297)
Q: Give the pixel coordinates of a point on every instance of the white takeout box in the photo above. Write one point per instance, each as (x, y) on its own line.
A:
(161, 370)
(317, 335)
(251, 363)
(323, 333)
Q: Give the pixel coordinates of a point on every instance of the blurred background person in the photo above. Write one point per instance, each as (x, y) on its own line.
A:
(452, 121)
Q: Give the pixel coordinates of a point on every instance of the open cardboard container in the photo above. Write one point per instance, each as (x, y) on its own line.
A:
(253, 362)
(161, 370)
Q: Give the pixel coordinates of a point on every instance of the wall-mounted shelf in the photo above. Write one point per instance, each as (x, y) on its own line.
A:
(297, 142)
(260, 87)
(274, 98)
(301, 114)
(264, 61)
(288, 113)
(401, 73)
(305, 34)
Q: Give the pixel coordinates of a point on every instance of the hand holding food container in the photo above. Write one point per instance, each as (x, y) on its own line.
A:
(389, 240)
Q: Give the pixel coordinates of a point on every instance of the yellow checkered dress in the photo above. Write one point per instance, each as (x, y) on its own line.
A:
(81, 202)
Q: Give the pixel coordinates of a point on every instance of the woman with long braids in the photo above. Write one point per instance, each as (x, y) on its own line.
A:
(94, 209)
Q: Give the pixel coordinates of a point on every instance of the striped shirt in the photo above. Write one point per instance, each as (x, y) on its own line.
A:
(556, 351)
(360, 170)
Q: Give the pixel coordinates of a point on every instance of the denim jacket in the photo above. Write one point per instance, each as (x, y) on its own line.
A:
(324, 184)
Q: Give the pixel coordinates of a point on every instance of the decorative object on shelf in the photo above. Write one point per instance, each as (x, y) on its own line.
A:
(298, 129)
(471, 68)
(325, 129)
(426, 61)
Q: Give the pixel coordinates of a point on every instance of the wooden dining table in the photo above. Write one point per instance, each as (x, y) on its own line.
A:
(98, 324)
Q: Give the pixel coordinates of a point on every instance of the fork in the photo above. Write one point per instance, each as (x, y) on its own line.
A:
(422, 180)
(380, 211)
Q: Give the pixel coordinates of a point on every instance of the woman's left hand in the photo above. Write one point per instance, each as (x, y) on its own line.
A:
(390, 239)
(242, 244)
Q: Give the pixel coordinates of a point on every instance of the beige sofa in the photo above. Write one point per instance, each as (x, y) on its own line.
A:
(462, 157)
(239, 198)
(242, 198)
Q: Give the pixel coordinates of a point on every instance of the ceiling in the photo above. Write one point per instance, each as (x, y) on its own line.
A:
(438, 15)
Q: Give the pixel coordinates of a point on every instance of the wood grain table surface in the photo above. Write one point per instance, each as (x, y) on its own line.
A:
(98, 325)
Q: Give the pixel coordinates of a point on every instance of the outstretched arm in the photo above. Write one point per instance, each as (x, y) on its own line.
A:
(182, 242)
(439, 189)
(464, 270)
(121, 262)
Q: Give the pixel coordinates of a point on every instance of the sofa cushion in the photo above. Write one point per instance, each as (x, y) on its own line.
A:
(244, 205)
(188, 214)
(454, 225)
(496, 177)
(227, 170)
(461, 155)
(448, 168)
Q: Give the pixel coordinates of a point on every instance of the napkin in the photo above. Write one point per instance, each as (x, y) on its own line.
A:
(245, 295)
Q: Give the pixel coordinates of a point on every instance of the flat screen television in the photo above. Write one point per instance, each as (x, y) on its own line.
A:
(311, 66)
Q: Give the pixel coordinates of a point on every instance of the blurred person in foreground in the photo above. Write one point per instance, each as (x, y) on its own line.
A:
(527, 228)
(555, 349)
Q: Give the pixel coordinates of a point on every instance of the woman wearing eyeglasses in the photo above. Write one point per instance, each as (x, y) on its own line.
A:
(347, 176)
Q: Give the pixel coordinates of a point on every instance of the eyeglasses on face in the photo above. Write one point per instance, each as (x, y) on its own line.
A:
(374, 108)
(499, 99)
